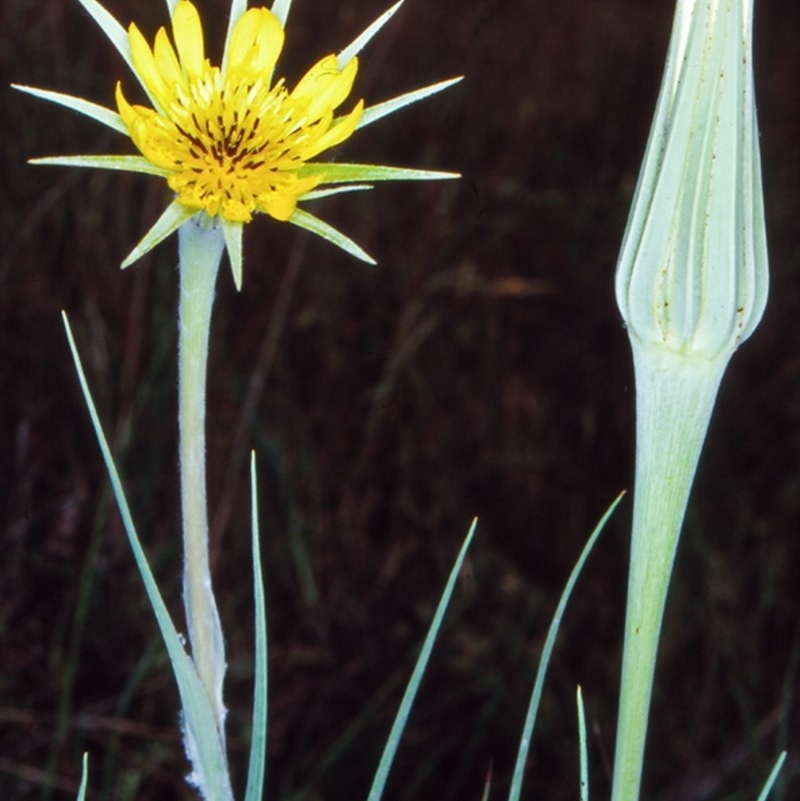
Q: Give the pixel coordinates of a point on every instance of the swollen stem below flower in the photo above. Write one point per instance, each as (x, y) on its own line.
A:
(675, 395)
(200, 248)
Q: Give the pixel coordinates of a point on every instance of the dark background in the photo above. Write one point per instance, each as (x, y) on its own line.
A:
(480, 369)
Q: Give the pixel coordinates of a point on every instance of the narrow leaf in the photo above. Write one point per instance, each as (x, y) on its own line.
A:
(258, 742)
(84, 778)
(583, 749)
(773, 776)
(536, 695)
(389, 751)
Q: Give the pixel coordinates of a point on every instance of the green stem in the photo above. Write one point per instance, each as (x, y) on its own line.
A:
(200, 249)
(675, 396)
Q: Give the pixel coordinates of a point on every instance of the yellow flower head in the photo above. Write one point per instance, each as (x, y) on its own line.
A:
(233, 144)
(229, 141)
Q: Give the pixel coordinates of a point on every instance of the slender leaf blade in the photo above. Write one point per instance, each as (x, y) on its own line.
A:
(390, 749)
(582, 748)
(536, 695)
(258, 743)
(773, 777)
(84, 778)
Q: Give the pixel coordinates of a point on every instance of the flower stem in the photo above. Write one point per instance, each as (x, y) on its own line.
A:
(675, 396)
(200, 247)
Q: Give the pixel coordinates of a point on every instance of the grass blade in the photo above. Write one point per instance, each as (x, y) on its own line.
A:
(390, 749)
(584, 756)
(258, 742)
(773, 776)
(536, 695)
(84, 778)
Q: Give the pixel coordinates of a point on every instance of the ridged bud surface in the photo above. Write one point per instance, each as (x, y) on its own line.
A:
(692, 275)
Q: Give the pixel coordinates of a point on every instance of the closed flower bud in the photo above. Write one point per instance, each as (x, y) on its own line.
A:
(692, 274)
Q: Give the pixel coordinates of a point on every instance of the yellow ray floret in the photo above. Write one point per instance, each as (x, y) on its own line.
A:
(232, 141)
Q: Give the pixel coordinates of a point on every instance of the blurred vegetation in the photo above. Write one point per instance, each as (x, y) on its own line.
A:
(480, 369)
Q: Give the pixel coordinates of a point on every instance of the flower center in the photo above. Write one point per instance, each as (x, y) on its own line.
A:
(233, 146)
(230, 144)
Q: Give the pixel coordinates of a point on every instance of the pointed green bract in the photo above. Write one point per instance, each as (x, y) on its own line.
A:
(137, 164)
(316, 194)
(309, 222)
(117, 35)
(280, 8)
(336, 172)
(380, 110)
(358, 44)
(238, 7)
(233, 244)
(174, 216)
(105, 116)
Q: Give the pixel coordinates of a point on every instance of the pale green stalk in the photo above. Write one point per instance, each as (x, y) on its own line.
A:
(691, 286)
(84, 778)
(674, 400)
(583, 753)
(200, 246)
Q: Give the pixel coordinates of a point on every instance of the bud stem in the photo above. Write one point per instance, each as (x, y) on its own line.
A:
(675, 396)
